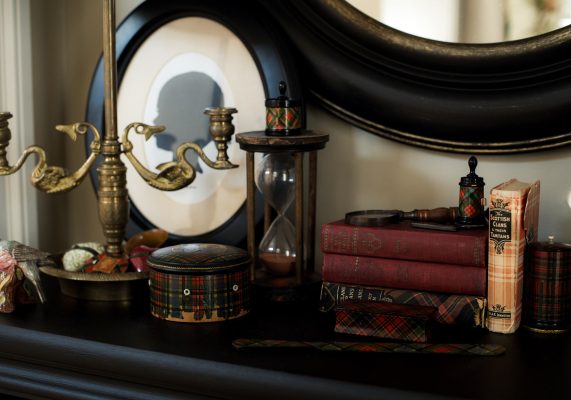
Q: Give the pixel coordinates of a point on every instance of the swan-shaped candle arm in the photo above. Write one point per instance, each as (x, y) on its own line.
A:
(47, 178)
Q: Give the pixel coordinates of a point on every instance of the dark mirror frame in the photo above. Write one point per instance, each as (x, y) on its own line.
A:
(468, 98)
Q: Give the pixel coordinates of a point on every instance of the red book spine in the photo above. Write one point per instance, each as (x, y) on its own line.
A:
(401, 241)
(403, 274)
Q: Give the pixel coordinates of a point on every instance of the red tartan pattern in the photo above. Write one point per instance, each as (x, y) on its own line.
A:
(547, 292)
(465, 349)
(220, 296)
(471, 202)
(279, 118)
(450, 308)
(406, 323)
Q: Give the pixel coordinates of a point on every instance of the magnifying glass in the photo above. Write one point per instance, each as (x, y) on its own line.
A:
(436, 218)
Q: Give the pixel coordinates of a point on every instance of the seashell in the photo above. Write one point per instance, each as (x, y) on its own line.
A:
(74, 259)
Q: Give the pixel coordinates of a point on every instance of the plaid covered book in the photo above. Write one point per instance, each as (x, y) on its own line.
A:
(514, 214)
(408, 323)
(450, 308)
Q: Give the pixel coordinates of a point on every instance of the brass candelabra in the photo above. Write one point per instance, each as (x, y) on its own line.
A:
(113, 200)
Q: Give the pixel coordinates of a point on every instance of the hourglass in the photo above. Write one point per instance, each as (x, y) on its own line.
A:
(283, 267)
(275, 179)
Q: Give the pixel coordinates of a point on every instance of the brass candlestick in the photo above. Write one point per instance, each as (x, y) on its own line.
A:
(111, 174)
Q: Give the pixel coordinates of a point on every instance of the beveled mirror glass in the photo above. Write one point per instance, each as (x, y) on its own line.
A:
(469, 21)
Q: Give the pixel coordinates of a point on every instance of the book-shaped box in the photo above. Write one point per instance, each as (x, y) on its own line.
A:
(514, 216)
(408, 323)
(451, 309)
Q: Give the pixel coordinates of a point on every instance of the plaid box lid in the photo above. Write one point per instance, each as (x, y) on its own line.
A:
(199, 258)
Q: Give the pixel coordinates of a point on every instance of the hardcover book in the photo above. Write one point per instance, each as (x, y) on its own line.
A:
(402, 241)
(410, 323)
(403, 274)
(450, 308)
(514, 215)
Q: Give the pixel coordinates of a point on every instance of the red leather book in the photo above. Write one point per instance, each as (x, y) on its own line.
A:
(404, 242)
(404, 274)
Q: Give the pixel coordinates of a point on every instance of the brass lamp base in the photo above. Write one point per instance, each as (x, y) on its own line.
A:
(100, 286)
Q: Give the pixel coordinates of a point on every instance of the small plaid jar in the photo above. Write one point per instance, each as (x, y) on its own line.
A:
(199, 282)
(283, 114)
(547, 287)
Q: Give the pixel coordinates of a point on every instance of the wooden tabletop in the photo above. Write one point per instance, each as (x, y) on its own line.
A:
(78, 349)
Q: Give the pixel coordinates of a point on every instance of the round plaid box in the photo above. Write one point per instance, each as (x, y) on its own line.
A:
(199, 282)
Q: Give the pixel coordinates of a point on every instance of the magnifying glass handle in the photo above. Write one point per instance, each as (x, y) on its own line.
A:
(440, 214)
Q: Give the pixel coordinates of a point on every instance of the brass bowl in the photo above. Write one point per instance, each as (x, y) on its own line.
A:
(99, 286)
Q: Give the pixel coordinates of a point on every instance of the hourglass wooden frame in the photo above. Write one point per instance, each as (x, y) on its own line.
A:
(306, 142)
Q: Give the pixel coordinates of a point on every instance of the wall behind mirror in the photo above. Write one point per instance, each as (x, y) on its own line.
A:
(357, 170)
(469, 21)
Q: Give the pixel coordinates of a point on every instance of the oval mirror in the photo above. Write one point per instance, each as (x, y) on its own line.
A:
(502, 97)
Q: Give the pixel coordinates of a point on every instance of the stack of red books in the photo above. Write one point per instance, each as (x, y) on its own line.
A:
(406, 265)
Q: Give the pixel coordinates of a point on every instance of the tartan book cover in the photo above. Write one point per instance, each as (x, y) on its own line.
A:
(514, 215)
(451, 309)
(409, 323)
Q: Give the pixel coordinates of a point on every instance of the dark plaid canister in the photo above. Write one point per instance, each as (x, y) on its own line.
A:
(199, 282)
(547, 287)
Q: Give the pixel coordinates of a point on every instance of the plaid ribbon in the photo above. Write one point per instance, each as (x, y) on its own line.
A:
(464, 349)
(450, 308)
(204, 297)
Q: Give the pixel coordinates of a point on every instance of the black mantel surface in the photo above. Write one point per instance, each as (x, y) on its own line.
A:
(74, 349)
